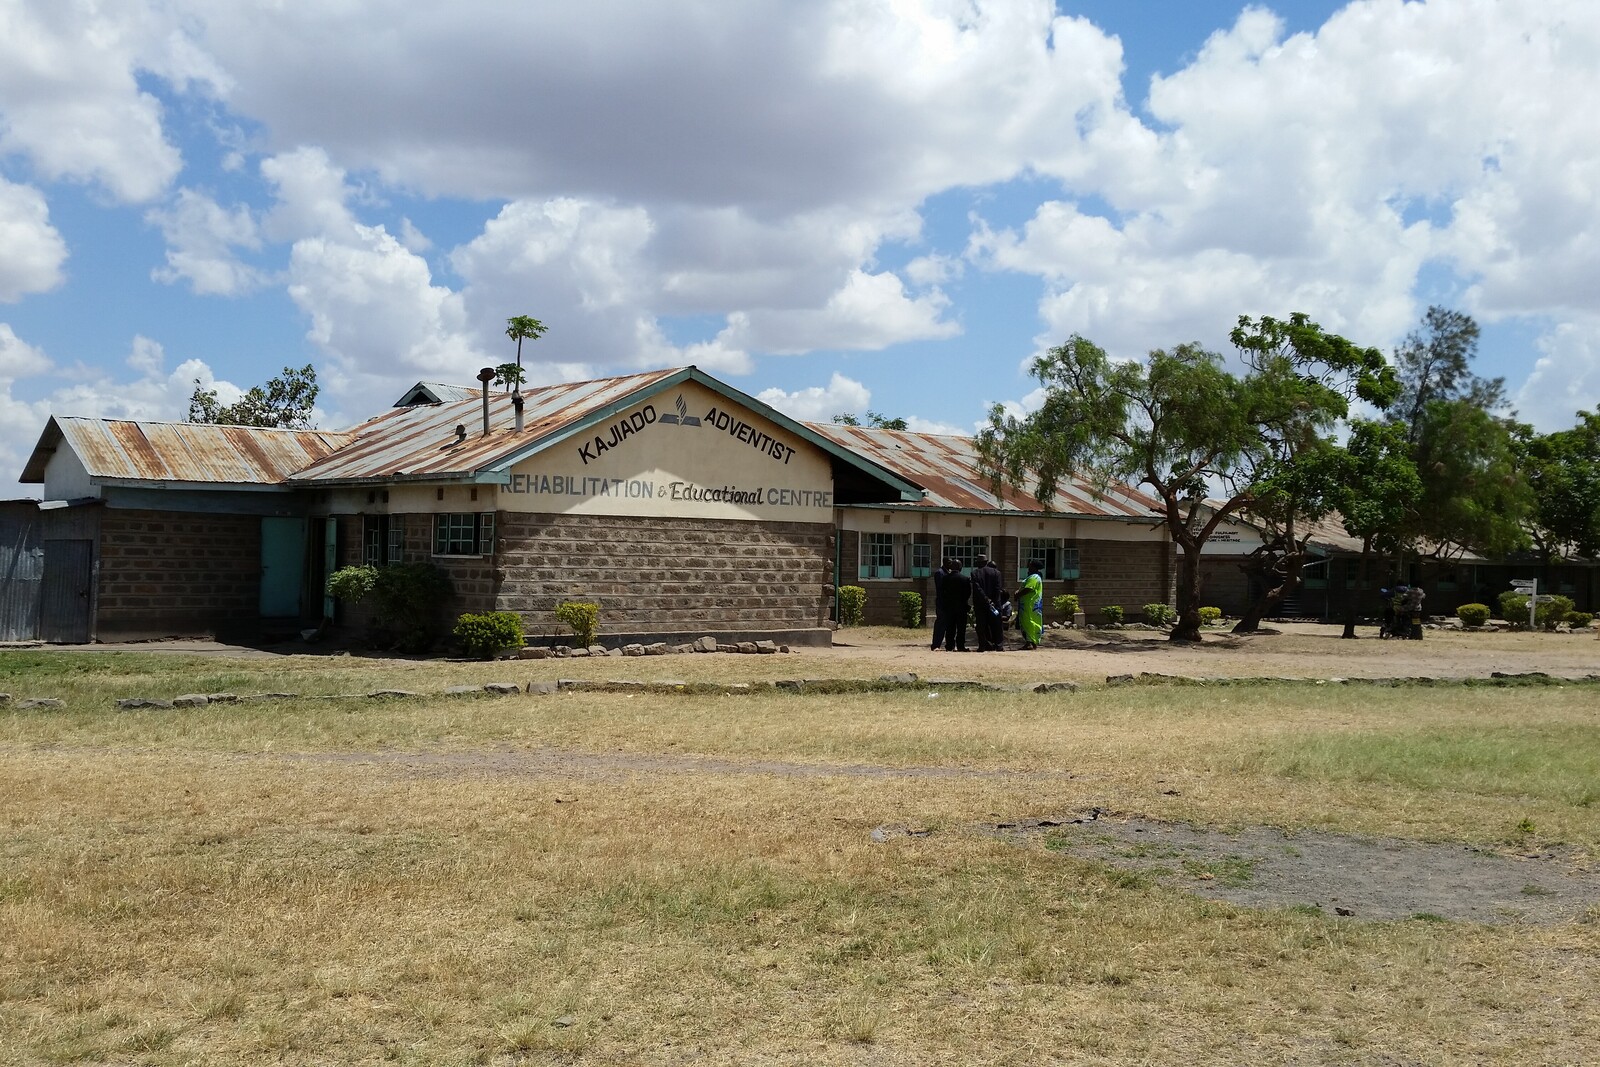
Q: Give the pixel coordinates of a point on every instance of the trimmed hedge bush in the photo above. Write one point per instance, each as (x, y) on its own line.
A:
(1066, 605)
(1112, 613)
(487, 635)
(1548, 614)
(852, 605)
(910, 609)
(1579, 620)
(1473, 615)
(1513, 607)
(583, 619)
(1159, 614)
(408, 597)
(1210, 616)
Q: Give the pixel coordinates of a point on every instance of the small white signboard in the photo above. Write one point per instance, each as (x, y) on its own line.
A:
(1525, 585)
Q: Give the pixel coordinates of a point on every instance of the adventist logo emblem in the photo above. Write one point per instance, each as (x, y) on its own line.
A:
(682, 418)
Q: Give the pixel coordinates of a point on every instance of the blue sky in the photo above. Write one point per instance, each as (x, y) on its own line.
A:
(836, 206)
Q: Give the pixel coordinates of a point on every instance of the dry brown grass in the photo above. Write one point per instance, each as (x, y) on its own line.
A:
(282, 883)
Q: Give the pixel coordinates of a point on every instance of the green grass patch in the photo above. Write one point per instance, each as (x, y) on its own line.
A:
(1549, 761)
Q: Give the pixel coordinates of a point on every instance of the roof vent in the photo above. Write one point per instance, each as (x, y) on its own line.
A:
(486, 375)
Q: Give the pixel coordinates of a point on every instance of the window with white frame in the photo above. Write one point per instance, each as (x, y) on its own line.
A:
(464, 534)
(965, 549)
(382, 540)
(1060, 561)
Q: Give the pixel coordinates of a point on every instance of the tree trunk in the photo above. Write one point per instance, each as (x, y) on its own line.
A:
(1353, 602)
(1187, 628)
(1291, 563)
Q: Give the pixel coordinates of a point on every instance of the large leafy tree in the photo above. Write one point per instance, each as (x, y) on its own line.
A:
(1462, 440)
(1376, 493)
(1295, 475)
(1182, 425)
(285, 401)
(1562, 470)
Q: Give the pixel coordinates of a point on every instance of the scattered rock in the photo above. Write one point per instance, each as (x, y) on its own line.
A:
(898, 679)
(502, 689)
(130, 703)
(578, 653)
(748, 648)
(790, 683)
(563, 1020)
(614, 653)
(534, 652)
(727, 648)
(597, 650)
(656, 648)
(562, 651)
(1056, 687)
(1119, 679)
(277, 696)
(679, 650)
(40, 702)
(767, 648)
(5, 698)
(785, 649)
(544, 686)
(376, 693)
(191, 700)
(633, 649)
(461, 690)
(705, 644)
(223, 698)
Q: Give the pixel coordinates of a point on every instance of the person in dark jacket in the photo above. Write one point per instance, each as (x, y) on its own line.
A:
(957, 591)
(939, 617)
(987, 586)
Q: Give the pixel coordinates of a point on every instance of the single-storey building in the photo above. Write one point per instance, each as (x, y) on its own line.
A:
(678, 504)
(1332, 575)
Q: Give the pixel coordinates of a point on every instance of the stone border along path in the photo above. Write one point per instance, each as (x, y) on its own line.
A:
(886, 683)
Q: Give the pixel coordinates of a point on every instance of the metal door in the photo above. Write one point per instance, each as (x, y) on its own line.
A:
(21, 569)
(283, 562)
(65, 598)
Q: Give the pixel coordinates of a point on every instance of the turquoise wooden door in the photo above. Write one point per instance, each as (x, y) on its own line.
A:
(283, 566)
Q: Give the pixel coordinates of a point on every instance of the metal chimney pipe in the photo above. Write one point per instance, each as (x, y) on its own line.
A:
(516, 406)
(486, 375)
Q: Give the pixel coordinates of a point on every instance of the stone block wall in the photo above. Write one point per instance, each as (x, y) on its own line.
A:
(174, 573)
(665, 575)
(1129, 573)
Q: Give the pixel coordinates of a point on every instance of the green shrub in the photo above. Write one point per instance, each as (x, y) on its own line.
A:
(583, 619)
(852, 605)
(487, 635)
(1066, 605)
(1514, 607)
(408, 596)
(1112, 613)
(1210, 616)
(910, 609)
(1159, 614)
(1579, 620)
(1473, 615)
(1551, 612)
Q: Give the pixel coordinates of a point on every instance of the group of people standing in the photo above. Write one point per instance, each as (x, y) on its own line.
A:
(982, 597)
(1402, 612)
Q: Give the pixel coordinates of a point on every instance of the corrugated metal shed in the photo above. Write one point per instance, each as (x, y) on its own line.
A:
(421, 441)
(122, 450)
(947, 467)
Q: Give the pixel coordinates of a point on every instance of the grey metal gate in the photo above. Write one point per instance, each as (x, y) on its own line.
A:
(66, 599)
(21, 570)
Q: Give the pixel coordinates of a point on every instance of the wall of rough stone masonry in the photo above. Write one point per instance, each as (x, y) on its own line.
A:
(665, 575)
(473, 579)
(176, 573)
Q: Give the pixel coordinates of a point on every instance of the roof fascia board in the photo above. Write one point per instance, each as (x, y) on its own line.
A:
(178, 486)
(1011, 513)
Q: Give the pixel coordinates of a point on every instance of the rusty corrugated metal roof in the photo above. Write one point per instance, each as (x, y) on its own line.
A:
(191, 452)
(435, 393)
(421, 441)
(947, 467)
